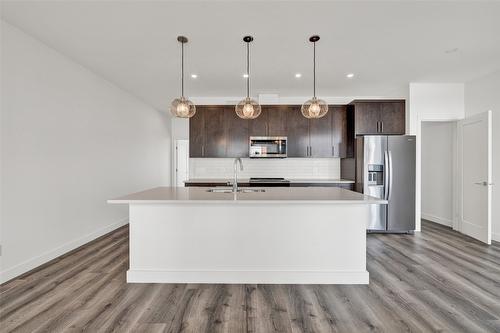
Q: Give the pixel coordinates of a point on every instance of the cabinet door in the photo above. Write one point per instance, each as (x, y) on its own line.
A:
(339, 129)
(297, 132)
(366, 118)
(196, 133)
(215, 138)
(276, 120)
(320, 136)
(392, 117)
(258, 126)
(236, 133)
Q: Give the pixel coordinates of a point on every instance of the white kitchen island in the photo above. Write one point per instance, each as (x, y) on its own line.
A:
(283, 235)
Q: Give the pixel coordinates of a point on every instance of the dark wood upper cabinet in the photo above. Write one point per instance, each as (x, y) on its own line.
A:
(237, 133)
(339, 130)
(366, 118)
(297, 127)
(321, 136)
(276, 119)
(392, 117)
(196, 134)
(215, 131)
(378, 117)
(258, 126)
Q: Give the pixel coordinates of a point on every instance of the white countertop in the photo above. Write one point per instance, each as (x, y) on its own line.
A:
(330, 195)
(246, 180)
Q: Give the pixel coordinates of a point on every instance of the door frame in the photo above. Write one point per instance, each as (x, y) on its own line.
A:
(175, 160)
(460, 170)
(418, 176)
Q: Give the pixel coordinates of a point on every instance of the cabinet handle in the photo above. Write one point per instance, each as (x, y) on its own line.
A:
(203, 150)
(310, 151)
(381, 126)
(333, 150)
(378, 126)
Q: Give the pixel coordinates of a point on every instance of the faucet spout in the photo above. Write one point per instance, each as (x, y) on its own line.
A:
(235, 165)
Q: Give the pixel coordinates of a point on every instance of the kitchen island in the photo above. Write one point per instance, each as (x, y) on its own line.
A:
(261, 235)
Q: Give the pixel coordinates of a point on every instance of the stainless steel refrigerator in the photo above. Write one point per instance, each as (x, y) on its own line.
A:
(385, 168)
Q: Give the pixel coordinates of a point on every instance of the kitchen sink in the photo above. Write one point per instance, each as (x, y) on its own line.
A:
(220, 190)
(251, 190)
(240, 190)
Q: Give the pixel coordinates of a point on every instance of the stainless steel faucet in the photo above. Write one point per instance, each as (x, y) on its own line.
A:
(235, 165)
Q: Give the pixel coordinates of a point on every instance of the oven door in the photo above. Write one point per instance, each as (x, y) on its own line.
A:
(268, 147)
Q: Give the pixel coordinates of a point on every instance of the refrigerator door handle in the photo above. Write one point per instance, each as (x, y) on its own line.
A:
(390, 176)
(386, 175)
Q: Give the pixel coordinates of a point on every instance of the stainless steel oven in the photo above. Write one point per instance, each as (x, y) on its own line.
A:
(268, 147)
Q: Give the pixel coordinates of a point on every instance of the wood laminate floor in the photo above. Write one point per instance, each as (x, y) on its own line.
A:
(436, 280)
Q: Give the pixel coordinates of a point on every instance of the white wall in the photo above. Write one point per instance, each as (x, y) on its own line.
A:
(70, 140)
(481, 95)
(431, 102)
(437, 177)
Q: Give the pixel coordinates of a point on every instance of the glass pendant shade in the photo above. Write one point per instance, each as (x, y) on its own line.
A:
(248, 109)
(182, 108)
(314, 108)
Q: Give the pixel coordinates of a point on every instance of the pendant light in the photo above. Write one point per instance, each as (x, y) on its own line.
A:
(182, 107)
(315, 107)
(248, 108)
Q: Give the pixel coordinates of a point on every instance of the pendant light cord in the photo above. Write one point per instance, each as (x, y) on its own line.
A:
(314, 69)
(248, 70)
(182, 69)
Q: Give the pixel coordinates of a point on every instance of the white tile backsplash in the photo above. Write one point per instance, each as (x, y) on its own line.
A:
(290, 168)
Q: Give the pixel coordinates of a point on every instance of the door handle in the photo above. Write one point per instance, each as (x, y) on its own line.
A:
(484, 183)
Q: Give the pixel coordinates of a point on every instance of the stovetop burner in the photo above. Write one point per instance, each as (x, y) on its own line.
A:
(268, 179)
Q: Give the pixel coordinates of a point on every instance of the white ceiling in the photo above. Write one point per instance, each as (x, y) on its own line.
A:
(386, 44)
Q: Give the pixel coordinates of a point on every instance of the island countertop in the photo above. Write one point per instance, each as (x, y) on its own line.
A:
(332, 195)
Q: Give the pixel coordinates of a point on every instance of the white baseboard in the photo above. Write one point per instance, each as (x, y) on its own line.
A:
(437, 219)
(52, 254)
(248, 277)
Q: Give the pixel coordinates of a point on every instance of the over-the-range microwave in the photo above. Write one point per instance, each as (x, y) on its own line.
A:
(268, 147)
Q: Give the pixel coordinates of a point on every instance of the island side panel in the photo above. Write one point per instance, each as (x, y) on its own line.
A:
(303, 243)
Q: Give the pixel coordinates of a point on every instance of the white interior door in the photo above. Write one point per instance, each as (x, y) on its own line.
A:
(474, 136)
(181, 162)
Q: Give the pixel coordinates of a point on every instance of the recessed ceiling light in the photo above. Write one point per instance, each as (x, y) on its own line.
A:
(298, 75)
(194, 76)
(350, 75)
(245, 75)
